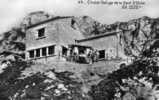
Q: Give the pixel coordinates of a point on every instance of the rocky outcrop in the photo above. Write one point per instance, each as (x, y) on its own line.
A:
(12, 45)
(139, 35)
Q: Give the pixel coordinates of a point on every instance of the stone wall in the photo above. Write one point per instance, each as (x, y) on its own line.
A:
(110, 44)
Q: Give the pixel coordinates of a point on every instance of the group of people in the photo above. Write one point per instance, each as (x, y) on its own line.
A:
(87, 55)
(93, 56)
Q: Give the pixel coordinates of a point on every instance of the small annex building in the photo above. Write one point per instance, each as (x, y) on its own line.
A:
(109, 45)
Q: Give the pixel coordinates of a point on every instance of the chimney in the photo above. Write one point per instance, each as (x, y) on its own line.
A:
(23, 28)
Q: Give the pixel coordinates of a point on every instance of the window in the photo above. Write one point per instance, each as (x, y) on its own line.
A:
(72, 23)
(43, 51)
(31, 54)
(37, 52)
(81, 50)
(64, 51)
(101, 54)
(51, 50)
(41, 32)
(157, 87)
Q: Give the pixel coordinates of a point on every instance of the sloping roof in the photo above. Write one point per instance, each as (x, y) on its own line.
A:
(78, 45)
(52, 19)
(98, 36)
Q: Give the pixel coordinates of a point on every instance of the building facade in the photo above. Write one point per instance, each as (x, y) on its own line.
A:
(108, 45)
(48, 40)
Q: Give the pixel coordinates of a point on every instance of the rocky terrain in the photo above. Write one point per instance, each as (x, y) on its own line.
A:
(139, 38)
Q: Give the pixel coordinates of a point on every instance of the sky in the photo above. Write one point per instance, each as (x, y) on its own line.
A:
(13, 11)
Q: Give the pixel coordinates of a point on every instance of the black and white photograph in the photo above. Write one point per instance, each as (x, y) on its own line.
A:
(79, 50)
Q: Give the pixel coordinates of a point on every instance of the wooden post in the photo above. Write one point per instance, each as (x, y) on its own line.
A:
(117, 46)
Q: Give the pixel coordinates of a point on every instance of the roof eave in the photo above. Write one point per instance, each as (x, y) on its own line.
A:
(98, 36)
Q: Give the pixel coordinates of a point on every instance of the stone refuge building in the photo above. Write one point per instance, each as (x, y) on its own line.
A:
(49, 41)
(109, 45)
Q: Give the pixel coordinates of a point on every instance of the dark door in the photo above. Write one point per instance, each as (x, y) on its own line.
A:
(101, 54)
